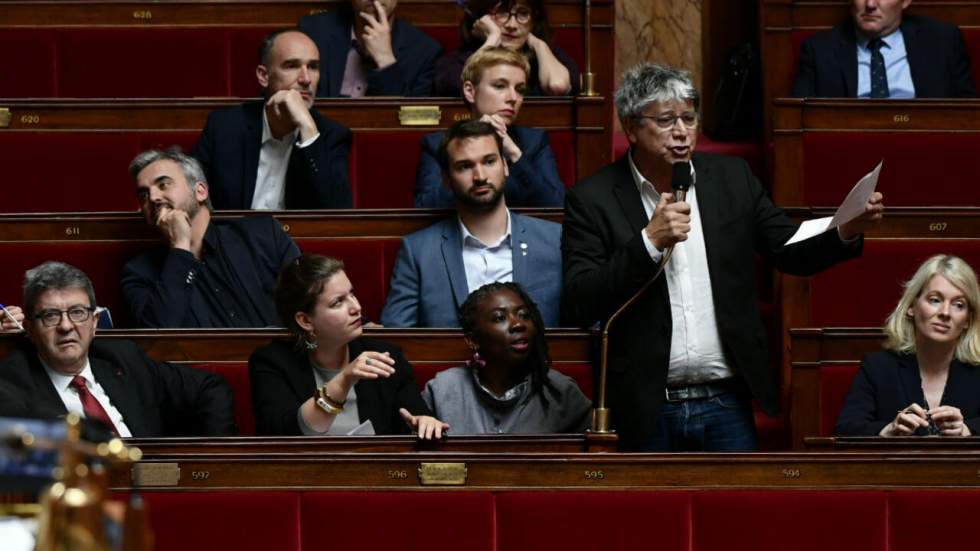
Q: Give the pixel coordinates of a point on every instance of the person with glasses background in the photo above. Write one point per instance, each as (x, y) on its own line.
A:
(62, 368)
(519, 25)
(689, 356)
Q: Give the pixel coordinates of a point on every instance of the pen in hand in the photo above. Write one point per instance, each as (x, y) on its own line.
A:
(11, 316)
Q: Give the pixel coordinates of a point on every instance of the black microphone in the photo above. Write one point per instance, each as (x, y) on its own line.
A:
(680, 179)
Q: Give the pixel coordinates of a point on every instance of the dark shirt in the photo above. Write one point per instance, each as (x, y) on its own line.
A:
(231, 286)
(449, 67)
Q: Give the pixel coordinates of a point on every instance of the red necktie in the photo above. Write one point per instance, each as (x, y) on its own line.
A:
(92, 408)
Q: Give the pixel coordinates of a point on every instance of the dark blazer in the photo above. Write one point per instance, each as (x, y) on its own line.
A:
(410, 75)
(605, 262)
(155, 399)
(229, 146)
(936, 53)
(163, 290)
(888, 382)
(428, 281)
(282, 379)
(533, 180)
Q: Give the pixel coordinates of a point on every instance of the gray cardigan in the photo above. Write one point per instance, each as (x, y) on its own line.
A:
(456, 396)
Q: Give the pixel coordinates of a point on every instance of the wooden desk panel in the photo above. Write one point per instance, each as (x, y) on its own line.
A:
(272, 13)
(565, 471)
(321, 224)
(951, 127)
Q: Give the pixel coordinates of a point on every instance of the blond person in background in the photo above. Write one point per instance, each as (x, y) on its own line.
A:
(927, 379)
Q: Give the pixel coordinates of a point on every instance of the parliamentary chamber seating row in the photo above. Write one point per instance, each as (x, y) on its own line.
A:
(211, 52)
(819, 148)
(671, 520)
(226, 353)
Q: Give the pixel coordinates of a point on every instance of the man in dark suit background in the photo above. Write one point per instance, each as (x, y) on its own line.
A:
(279, 153)
(64, 369)
(688, 356)
(369, 52)
(880, 52)
(207, 273)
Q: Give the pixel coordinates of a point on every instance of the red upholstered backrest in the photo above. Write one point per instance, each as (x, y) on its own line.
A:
(208, 521)
(835, 381)
(608, 521)
(797, 520)
(75, 171)
(906, 507)
(66, 172)
(236, 375)
(243, 52)
(581, 373)
(101, 261)
(684, 520)
(157, 62)
(921, 168)
(863, 291)
(365, 262)
(385, 170)
(142, 62)
(409, 521)
(28, 60)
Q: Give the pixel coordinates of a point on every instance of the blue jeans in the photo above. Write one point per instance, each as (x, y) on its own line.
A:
(722, 423)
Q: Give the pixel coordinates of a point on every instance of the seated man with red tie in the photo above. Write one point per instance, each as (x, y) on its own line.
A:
(63, 368)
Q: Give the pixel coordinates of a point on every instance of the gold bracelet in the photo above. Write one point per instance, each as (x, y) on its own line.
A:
(327, 407)
(322, 393)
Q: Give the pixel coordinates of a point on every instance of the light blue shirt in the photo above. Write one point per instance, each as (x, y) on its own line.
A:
(486, 262)
(896, 66)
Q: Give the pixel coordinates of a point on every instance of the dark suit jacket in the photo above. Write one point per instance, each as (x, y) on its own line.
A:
(605, 262)
(229, 146)
(428, 281)
(936, 54)
(888, 382)
(533, 179)
(154, 399)
(410, 75)
(162, 288)
(282, 379)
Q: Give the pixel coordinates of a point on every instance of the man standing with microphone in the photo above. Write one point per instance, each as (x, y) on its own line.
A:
(688, 356)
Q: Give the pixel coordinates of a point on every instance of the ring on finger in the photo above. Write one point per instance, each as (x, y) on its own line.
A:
(367, 361)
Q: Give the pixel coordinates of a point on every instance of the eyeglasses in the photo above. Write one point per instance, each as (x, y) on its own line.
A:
(76, 314)
(667, 121)
(520, 14)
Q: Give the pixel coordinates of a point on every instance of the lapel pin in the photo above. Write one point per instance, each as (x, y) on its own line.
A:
(523, 248)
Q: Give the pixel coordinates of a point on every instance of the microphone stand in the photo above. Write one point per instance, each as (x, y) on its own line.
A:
(600, 414)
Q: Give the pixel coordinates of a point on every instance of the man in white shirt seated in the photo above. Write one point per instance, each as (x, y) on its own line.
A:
(278, 153)
(63, 369)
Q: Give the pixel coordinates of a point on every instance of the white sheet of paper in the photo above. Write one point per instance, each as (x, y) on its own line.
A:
(851, 208)
(810, 228)
(364, 429)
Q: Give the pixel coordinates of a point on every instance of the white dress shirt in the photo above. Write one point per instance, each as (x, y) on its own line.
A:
(486, 263)
(696, 354)
(69, 396)
(270, 181)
